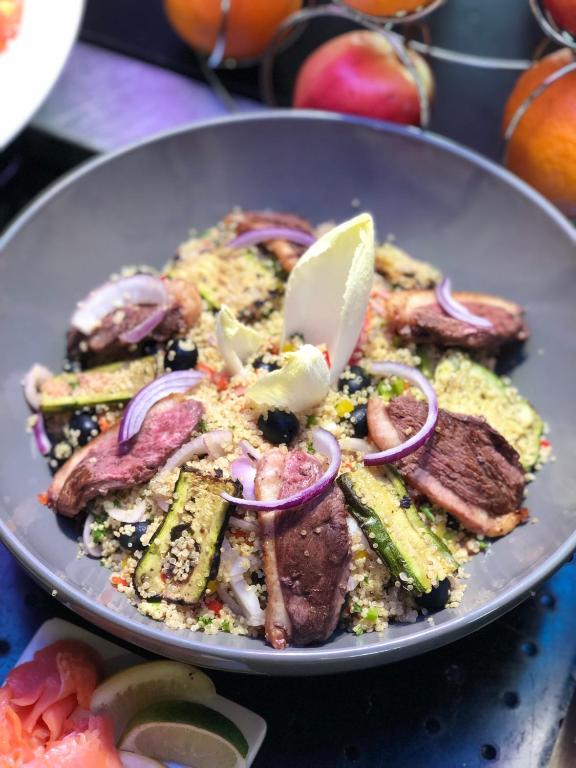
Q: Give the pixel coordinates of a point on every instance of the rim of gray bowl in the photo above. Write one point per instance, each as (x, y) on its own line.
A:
(433, 636)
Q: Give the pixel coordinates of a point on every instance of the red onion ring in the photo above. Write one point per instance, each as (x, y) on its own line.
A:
(326, 444)
(41, 438)
(455, 309)
(413, 443)
(32, 381)
(138, 407)
(140, 331)
(243, 470)
(266, 234)
(92, 549)
(249, 450)
(212, 444)
(137, 289)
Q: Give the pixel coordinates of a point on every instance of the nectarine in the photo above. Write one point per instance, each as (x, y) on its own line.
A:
(359, 73)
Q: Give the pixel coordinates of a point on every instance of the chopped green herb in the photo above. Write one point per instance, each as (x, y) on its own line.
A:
(356, 608)
(225, 626)
(482, 545)
(310, 447)
(205, 620)
(97, 535)
(371, 614)
(311, 421)
(202, 426)
(426, 509)
(358, 631)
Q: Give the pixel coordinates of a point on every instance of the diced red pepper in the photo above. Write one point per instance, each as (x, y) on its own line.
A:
(545, 443)
(117, 580)
(43, 498)
(215, 605)
(327, 358)
(218, 378)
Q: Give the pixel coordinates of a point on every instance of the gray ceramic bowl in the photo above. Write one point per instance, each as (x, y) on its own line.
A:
(445, 204)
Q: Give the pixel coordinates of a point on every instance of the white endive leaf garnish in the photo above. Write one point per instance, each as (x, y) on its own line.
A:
(328, 290)
(301, 383)
(236, 341)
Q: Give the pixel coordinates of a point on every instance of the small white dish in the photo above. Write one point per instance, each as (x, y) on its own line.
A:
(32, 61)
(116, 658)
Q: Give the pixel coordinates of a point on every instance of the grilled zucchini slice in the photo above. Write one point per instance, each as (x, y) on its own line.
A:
(380, 503)
(464, 386)
(106, 384)
(184, 552)
(249, 284)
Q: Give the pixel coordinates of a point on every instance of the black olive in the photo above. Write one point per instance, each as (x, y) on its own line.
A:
(72, 366)
(131, 541)
(149, 347)
(279, 427)
(180, 355)
(58, 455)
(86, 425)
(437, 598)
(264, 366)
(354, 379)
(359, 421)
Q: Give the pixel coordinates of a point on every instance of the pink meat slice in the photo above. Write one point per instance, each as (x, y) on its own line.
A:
(306, 552)
(103, 465)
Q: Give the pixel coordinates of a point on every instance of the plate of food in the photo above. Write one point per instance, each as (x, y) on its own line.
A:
(35, 40)
(74, 698)
(299, 408)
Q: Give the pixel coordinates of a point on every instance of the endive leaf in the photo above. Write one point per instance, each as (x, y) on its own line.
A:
(328, 290)
(236, 341)
(301, 383)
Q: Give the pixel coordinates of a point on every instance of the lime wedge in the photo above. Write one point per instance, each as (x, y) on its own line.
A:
(126, 693)
(132, 760)
(188, 733)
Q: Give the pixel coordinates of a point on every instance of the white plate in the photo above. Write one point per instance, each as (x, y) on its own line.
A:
(32, 62)
(116, 658)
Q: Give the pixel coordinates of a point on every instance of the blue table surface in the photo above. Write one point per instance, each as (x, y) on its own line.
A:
(496, 697)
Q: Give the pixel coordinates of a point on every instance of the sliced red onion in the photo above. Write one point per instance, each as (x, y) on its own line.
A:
(326, 444)
(128, 515)
(246, 598)
(213, 444)
(40, 437)
(243, 469)
(217, 442)
(137, 289)
(266, 234)
(140, 331)
(92, 549)
(169, 384)
(455, 309)
(196, 447)
(248, 449)
(419, 380)
(355, 444)
(244, 525)
(32, 381)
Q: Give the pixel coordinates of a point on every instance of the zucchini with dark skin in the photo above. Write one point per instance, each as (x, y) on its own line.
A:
(104, 385)
(184, 553)
(464, 386)
(381, 505)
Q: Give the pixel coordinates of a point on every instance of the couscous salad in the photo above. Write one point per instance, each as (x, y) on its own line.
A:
(287, 431)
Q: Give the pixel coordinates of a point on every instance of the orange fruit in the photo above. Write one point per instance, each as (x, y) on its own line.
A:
(251, 23)
(542, 150)
(387, 7)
